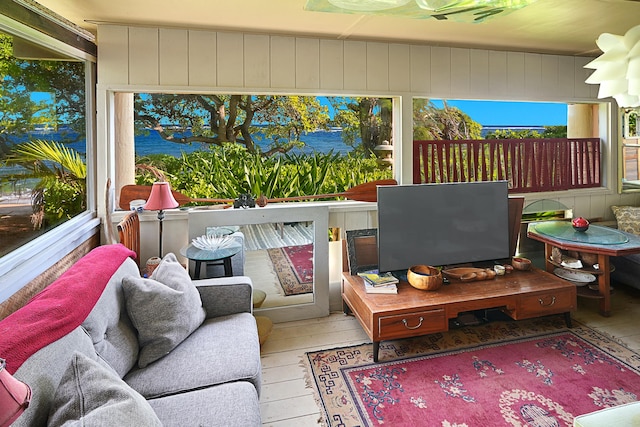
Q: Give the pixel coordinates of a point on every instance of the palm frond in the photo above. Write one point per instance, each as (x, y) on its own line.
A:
(43, 151)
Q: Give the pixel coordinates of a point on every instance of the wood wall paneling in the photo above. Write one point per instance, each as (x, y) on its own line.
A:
(256, 61)
(143, 56)
(549, 68)
(399, 68)
(331, 64)
(202, 58)
(532, 74)
(420, 69)
(113, 66)
(355, 66)
(479, 73)
(515, 75)
(377, 66)
(174, 57)
(307, 63)
(460, 72)
(230, 59)
(283, 62)
(498, 74)
(441, 72)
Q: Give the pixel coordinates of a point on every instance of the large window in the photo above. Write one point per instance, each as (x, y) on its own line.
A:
(223, 145)
(42, 140)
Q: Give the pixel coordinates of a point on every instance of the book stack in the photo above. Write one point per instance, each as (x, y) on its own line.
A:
(379, 283)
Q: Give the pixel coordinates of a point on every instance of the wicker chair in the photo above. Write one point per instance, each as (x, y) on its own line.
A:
(129, 233)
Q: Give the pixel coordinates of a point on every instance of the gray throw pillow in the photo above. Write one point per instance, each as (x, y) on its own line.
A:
(91, 395)
(164, 309)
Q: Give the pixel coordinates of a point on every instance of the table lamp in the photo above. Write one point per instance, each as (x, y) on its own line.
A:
(14, 397)
(159, 200)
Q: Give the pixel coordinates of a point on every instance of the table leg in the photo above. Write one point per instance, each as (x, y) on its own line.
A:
(228, 268)
(376, 349)
(196, 271)
(604, 285)
(548, 249)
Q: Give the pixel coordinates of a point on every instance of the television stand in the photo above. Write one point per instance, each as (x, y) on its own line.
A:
(413, 312)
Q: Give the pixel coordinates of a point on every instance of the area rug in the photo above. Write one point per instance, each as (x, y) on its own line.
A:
(276, 235)
(294, 267)
(526, 373)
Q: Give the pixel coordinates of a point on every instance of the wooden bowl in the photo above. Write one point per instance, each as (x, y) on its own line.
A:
(424, 277)
(520, 263)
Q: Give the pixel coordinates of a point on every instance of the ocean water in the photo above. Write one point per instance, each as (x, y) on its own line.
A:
(319, 141)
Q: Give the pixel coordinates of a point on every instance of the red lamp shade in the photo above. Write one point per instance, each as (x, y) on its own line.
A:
(14, 397)
(160, 198)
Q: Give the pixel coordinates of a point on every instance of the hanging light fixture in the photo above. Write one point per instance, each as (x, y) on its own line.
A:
(472, 11)
(444, 5)
(617, 70)
(368, 5)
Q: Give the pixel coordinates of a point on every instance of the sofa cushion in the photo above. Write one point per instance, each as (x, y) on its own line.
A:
(165, 311)
(90, 394)
(108, 324)
(628, 218)
(228, 405)
(222, 350)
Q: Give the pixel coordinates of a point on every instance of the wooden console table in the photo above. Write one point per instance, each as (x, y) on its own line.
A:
(412, 312)
(602, 241)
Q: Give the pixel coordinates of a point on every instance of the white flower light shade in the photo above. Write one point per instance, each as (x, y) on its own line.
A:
(617, 70)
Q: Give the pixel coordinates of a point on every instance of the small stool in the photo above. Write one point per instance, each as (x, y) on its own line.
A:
(627, 415)
(258, 297)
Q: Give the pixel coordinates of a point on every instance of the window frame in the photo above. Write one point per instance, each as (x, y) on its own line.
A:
(33, 258)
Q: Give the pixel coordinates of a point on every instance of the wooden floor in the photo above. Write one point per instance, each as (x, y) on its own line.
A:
(286, 401)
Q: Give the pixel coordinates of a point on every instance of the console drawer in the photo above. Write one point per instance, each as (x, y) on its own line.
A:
(544, 303)
(411, 324)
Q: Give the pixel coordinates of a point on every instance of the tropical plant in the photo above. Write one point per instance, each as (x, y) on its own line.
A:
(60, 192)
(229, 170)
(446, 123)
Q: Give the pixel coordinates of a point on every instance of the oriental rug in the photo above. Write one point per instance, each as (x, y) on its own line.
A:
(294, 267)
(526, 373)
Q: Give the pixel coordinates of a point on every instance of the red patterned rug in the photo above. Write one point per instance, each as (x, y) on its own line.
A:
(527, 373)
(294, 268)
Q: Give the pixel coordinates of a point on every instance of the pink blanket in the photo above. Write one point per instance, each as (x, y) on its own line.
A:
(61, 307)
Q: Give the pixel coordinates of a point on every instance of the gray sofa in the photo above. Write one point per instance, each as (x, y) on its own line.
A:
(209, 376)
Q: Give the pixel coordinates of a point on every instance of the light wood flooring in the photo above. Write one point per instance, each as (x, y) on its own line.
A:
(286, 401)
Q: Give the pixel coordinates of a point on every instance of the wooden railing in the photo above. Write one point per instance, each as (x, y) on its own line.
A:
(529, 165)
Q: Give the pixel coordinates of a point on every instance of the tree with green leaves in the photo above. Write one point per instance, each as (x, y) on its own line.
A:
(212, 120)
(446, 123)
(367, 119)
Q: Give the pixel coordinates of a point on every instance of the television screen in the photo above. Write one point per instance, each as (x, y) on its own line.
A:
(442, 224)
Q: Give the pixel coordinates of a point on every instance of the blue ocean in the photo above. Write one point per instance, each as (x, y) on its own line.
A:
(319, 141)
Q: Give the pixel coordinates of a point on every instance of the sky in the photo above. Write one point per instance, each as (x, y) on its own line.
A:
(497, 113)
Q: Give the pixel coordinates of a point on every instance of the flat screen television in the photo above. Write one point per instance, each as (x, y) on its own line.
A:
(442, 224)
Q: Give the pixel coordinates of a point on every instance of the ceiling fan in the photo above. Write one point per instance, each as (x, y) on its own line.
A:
(457, 10)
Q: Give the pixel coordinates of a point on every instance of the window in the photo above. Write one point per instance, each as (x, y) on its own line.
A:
(42, 141)
(224, 145)
(44, 97)
(524, 143)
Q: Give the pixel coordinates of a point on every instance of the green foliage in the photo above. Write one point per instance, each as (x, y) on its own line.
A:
(366, 119)
(60, 192)
(447, 123)
(549, 132)
(213, 120)
(514, 134)
(230, 170)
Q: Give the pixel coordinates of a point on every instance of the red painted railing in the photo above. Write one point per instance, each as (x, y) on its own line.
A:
(530, 165)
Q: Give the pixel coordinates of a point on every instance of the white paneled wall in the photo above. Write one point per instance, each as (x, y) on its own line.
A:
(172, 58)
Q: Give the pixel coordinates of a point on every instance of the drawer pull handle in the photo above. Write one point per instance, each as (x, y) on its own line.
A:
(553, 301)
(412, 327)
